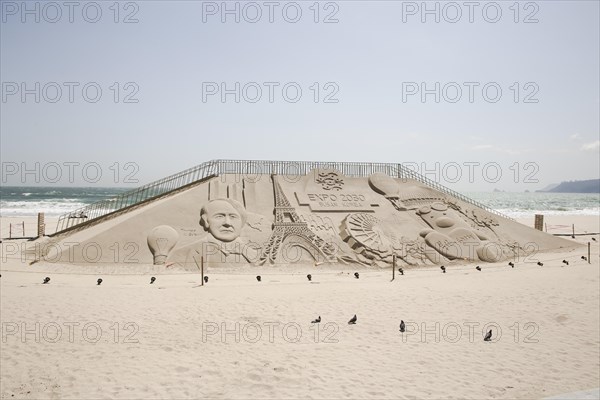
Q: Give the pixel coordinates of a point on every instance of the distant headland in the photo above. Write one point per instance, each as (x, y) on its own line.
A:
(587, 186)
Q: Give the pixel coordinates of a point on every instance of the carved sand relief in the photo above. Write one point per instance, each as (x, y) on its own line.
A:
(326, 217)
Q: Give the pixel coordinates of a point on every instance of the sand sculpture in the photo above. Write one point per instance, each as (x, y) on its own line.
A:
(323, 217)
(223, 220)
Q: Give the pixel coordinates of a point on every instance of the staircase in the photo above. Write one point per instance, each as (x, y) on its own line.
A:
(146, 193)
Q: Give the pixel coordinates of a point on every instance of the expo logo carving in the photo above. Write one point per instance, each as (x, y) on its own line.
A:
(330, 180)
(332, 197)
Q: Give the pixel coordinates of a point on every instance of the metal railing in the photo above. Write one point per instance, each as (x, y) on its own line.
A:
(406, 173)
(134, 197)
(250, 169)
(351, 169)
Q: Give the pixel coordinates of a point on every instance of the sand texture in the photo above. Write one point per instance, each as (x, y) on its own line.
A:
(74, 339)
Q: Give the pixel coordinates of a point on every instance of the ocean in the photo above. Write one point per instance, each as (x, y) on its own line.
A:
(54, 201)
(522, 205)
(16, 201)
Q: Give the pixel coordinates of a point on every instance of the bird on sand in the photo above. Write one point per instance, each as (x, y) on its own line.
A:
(488, 336)
(352, 320)
(316, 321)
(402, 326)
(443, 269)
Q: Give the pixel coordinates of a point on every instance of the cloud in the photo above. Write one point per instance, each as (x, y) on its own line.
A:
(575, 136)
(482, 147)
(591, 146)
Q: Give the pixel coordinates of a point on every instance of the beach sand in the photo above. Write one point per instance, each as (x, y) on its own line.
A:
(238, 338)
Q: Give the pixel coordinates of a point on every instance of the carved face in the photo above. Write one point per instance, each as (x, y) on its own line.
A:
(223, 221)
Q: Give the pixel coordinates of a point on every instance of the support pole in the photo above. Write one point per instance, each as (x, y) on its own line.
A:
(539, 222)
(573, 236)
(41, 226)
(393, 267)
(589, 258)
(202, 270)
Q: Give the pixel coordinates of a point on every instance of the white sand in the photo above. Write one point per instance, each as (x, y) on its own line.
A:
(556, 307)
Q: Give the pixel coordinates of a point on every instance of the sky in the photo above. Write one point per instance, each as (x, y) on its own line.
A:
(476, 95)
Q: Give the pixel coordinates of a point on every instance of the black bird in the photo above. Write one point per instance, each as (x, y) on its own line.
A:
(488, 336)
(402, 326)
(206, 279)
(353, 320)
(541, 264)
(152, 280)
(316, 321)
(565, 262)
(356, 275)
(258, 278)
(99, 281)
(582, 257)
(46, 280)
(511, 264)
(594, 239)
(443, 269)
(401, 271)
(478, 268)
(309, 277)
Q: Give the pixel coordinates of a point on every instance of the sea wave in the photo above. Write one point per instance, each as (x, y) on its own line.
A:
(27, 201)
(519, 205)
(520, 213)
(29, 208)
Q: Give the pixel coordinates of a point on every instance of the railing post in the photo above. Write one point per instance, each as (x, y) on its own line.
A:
(41, 225)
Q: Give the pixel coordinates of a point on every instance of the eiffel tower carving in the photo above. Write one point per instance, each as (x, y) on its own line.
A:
(288, 225)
